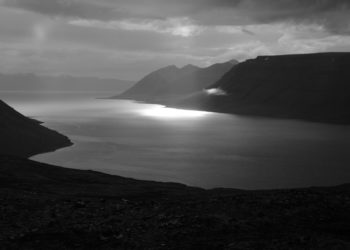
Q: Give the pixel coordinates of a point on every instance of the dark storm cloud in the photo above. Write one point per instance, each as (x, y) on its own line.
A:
(322, 11)
(66, 8)
(129, 38)
(334, 15)
(293, 7)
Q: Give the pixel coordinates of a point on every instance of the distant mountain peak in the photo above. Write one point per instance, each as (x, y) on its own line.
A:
(189, 69)
(171, 67)
(233, 61)
(33, 82)
(190, 66)
(172, 82)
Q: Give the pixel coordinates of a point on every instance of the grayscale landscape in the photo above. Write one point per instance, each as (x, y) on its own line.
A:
(163, 124)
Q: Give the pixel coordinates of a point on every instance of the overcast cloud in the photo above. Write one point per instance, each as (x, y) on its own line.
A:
(129, 38)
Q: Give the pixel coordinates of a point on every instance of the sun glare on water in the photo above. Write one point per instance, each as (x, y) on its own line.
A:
(172, 113)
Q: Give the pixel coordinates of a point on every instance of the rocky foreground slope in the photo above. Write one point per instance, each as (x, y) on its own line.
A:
(314, 87)
(167, 84)
(22, 136)
(48, 207)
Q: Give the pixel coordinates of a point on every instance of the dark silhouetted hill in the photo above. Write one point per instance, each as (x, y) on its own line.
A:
(169, 83)
(49, 207)
(22, 136)
(314, 87)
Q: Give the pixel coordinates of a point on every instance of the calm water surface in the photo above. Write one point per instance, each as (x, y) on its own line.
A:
(147, 141)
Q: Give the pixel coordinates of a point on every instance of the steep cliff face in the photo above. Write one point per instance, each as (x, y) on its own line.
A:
(22, 136)
(171, 82)
(311, 86)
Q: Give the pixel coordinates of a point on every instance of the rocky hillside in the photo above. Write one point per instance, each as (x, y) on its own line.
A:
(22, 136)
(172, 82)
(48, 207)
(312, 86)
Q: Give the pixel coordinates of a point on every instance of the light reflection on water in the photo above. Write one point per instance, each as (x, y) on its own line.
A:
(163, 112)
(147, 141)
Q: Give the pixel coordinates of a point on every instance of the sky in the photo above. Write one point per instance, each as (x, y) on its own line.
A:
(127, 39)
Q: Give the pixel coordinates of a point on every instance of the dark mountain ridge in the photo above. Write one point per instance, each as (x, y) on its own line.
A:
(314, 87)
(22, 136)
(169, 83)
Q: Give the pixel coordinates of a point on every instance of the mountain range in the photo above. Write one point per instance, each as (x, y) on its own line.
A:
(313, 87)
(38, 83)
(169, 83)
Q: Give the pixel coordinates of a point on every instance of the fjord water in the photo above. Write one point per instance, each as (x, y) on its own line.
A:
(146, 141)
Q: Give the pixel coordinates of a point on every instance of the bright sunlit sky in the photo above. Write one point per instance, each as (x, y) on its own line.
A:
(127, 39)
